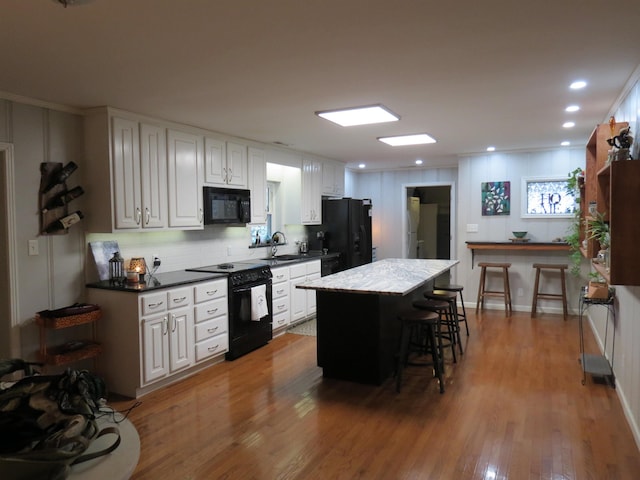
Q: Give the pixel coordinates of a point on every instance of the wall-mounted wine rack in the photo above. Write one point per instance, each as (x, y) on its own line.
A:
(51, 189)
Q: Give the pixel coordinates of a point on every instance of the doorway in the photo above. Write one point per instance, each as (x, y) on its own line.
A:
(428, 221)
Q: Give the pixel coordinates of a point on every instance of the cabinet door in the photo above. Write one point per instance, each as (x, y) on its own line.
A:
(258, 184)
(237, 165)
(215, 163)
(181, 337)
(185, 173)
(332, 179)
(298, 299)
(311, 295)
(153, 173)
(125, 164)
(155, 353)
(311, 196)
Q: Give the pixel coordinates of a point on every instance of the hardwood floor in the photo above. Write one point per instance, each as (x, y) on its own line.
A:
(514, 408)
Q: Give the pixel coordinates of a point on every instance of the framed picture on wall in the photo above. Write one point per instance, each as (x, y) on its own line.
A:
(496, 198)
(547, 197)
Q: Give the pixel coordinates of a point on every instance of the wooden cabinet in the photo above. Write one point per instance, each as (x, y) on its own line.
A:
(280, 298)
(258, 184)
(332, 179)
(153, 176)
(311, 202)
(225, 163)
(618, 196)
(185, 174)
(155, 338)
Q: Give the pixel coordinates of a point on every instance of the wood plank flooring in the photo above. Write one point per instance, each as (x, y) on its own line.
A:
(514, 408)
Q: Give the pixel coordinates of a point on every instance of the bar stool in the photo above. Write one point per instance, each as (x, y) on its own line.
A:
(452, 315)
(418, 335)
(549, 296)
(442, 309)
(483, 292)
(450, 287)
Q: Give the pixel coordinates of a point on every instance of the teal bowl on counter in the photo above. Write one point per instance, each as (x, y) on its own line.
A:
(519, 234)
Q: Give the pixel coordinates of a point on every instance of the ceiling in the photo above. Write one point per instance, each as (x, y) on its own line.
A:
(470, 73)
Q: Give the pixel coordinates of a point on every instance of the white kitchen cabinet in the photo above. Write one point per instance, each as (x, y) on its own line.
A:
(153, 339)
(225, 163)
(332, 179)
(258, 184)
(303, 305)
(127, 181)
(280, 298)
(211, 319)
(185, 179)
(311, 201)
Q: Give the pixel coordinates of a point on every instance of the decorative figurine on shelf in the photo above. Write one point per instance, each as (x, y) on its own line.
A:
(621, 145)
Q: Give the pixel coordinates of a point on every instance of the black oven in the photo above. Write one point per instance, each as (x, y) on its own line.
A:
(246, 334)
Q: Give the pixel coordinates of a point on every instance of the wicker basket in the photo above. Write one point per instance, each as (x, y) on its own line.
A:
(69, 321)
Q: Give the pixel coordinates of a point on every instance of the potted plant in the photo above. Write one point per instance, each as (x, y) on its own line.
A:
(574, 183)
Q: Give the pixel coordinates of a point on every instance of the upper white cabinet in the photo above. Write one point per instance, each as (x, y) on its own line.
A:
(185, 174)
(258, 184)
(332, 179)
(225, 163)
(127, 176)
(311, 202)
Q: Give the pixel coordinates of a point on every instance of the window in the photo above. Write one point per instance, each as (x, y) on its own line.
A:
(264, 231)
(547, 197)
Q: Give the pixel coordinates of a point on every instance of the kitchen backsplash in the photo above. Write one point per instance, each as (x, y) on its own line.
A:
(185, 249)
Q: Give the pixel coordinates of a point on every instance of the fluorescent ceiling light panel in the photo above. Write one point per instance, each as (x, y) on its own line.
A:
(401, 140)
(348, 117)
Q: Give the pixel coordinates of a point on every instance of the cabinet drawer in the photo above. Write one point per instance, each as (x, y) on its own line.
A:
(280, 275)
(313, 267)
(210, 290)
(280, 320)
(279, 290)
(299, 270)
(211, 328)
(211, 347)
(153, 303)
(179, 297)
(206, 311)
(280, 305)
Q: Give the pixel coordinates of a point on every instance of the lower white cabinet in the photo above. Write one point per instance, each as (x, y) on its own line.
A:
(303, 302)
(280, 296)
(152, 339)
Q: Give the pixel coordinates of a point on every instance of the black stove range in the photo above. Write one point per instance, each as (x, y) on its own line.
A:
(245, 334)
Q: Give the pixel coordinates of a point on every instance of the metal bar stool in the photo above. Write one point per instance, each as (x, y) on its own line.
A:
(450, 287)
(549, 296)
(483, 292)
(418, 335)
(442, 309)
(452, 315)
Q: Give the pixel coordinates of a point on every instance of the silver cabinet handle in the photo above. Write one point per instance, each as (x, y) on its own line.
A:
(154, 305)
(280, 307)
(280, 291)
(213, 349)
(147, 214)
(138, 215)
(211, 312)
(212, 292)
(178, 300)
(212, 330)
(174, 323)
(200, 215)
(230, 175)
(165, 325)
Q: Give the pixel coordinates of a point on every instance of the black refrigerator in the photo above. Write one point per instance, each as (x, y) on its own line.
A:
(346, 226)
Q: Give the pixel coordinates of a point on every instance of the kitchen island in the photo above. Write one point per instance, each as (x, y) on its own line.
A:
(357, 310)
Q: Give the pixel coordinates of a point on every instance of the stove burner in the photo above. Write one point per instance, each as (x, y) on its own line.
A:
(226, 266)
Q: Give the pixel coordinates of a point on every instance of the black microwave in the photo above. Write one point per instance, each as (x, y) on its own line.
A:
(228, 206)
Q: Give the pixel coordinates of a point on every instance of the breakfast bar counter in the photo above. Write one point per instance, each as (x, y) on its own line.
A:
(357, 310)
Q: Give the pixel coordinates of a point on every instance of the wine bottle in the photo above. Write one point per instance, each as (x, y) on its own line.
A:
(63, 198)
(60, 176)
(64, 222)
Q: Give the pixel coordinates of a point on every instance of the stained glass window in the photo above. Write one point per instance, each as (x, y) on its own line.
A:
(547, 197)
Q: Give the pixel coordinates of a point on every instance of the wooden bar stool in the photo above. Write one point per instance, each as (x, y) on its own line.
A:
(452, 314)
(549, 296)
(505, 292)
(446, 331)
(450, 287)
(418, 335)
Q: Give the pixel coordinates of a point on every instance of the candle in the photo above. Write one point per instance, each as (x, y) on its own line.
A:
(133, 277)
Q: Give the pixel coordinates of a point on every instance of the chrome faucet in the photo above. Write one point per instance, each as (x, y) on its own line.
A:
(275, 241)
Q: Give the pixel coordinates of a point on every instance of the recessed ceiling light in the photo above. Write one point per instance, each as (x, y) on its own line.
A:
(577, 85)
(401, 140)
(362, 165)
(569, 124)
(418, 162)
(565, 143)
(348, 117)
(491, 149)
(572, 108)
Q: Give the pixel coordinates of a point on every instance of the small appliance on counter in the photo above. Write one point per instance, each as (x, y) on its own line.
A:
(245, 334)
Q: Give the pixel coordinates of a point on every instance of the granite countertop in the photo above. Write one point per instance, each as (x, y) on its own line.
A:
(160, 280)
(392, 276)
